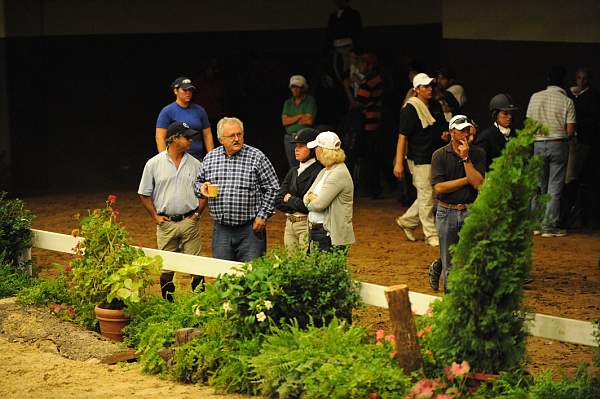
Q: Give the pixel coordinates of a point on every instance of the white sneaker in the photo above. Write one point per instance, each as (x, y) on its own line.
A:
(410, 235)
(434, 241)
(554, 233)
(536, 232)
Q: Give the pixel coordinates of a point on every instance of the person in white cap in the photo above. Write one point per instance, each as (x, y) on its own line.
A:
(457, 171)
(421, 125)
(329, 199)
(298, 112)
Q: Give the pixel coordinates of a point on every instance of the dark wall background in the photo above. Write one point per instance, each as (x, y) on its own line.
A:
(82, 108)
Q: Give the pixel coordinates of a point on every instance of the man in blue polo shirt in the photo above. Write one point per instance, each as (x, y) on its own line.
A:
(183, 110)
(247, 185)
(167, 193)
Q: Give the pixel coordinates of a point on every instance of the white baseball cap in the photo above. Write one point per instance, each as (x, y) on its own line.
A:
(298, 80)
(459, 122)
(328, 140)
(421, 79)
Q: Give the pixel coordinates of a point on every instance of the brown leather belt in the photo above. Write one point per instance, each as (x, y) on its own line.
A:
(458, 207)
(295, 218)
(316, 226)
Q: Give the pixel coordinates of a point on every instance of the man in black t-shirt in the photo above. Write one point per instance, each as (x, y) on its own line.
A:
(421, 125)
(456, 174)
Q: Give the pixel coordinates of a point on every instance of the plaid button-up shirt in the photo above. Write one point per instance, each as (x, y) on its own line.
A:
(247, 185)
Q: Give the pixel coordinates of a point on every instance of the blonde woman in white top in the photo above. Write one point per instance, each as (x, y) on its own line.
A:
(330, 197)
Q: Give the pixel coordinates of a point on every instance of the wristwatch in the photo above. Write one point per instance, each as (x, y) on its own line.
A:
(467, 159)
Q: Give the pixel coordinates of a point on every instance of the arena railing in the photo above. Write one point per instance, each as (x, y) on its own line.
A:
(541, 325)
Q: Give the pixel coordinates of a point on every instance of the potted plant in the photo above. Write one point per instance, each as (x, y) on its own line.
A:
(125, 286)
(107, 271)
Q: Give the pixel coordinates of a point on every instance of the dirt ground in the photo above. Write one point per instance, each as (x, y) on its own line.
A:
(566, 283)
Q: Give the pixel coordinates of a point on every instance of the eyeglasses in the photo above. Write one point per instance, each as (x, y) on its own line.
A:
(237, 135)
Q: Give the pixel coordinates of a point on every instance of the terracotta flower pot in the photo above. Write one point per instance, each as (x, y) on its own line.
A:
(112, 322)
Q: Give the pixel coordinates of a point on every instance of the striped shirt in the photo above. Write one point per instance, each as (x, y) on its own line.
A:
(171, 188)
(247, 185)
(370, 96)
(554, 110)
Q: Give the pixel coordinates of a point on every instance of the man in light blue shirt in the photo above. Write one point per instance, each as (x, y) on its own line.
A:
(167, 193)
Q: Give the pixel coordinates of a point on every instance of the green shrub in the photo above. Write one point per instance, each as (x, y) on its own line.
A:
(280, 287)
(15, 229)
(334, 361)
(43, 292)
(580, 386)
(481, 318)
(11, 280)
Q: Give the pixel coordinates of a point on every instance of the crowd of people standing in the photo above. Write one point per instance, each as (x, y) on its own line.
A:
(440, 151)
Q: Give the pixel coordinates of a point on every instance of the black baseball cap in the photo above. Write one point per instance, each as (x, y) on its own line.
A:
(182, 129)
(183, 83)
(305, 135)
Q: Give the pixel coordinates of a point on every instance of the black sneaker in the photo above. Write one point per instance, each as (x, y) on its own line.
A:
(435, 272)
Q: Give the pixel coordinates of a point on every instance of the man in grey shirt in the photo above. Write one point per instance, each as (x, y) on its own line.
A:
(556, 112)
(167, 192)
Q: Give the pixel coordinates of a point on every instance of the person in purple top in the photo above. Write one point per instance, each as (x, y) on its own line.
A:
(184, 110)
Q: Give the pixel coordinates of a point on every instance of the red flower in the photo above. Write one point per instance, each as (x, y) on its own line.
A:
(420, 333)
(112, 198)
(68, 268)
(389, 338)
(427, 329)
(379, 335)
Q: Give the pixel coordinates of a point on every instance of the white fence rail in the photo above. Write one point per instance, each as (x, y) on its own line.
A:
(544, 326)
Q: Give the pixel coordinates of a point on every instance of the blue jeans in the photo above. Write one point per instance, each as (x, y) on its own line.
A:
(448, 223)
(320, 237)
(290, 153)
(238, 243)
(555, 155)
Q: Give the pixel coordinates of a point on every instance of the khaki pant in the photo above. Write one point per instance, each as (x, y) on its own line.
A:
(296, 235)
(422, 209)
(182, 236)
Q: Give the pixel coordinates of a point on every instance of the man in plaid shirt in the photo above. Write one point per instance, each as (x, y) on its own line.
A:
(247, 185)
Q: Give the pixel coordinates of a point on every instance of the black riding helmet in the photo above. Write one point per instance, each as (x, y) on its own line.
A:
(502, 102)
(304, 136)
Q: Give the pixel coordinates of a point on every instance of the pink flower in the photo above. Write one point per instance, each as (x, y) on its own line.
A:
(116, 213)
(420, 333)
(379, 335)
(443, 397)
(112, 198)
(393, 354)
(460, 370)
(429, 310)
(425, 388)
(457, 370)
(389, 338)
(68, 268)
(427, 329)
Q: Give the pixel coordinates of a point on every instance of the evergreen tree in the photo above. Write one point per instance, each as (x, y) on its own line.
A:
(482, 319)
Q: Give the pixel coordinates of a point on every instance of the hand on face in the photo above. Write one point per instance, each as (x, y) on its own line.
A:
(463, 148)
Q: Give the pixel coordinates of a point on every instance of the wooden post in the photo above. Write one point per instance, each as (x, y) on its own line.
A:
(403, 328)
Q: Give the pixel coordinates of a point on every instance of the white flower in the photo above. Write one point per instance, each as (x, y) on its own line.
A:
(249, 267)
(261, 317)
(226, 307)
(197, 310)
(268, 305)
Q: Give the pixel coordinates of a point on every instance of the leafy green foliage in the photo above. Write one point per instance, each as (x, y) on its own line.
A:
(11, 280)
(45, 291)
(126, 283)
(104, 250)
(597, 339)
(15, 229)
(281, 287)
(580, 386)
(481, 318)
(334, 361)
(153, 325)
